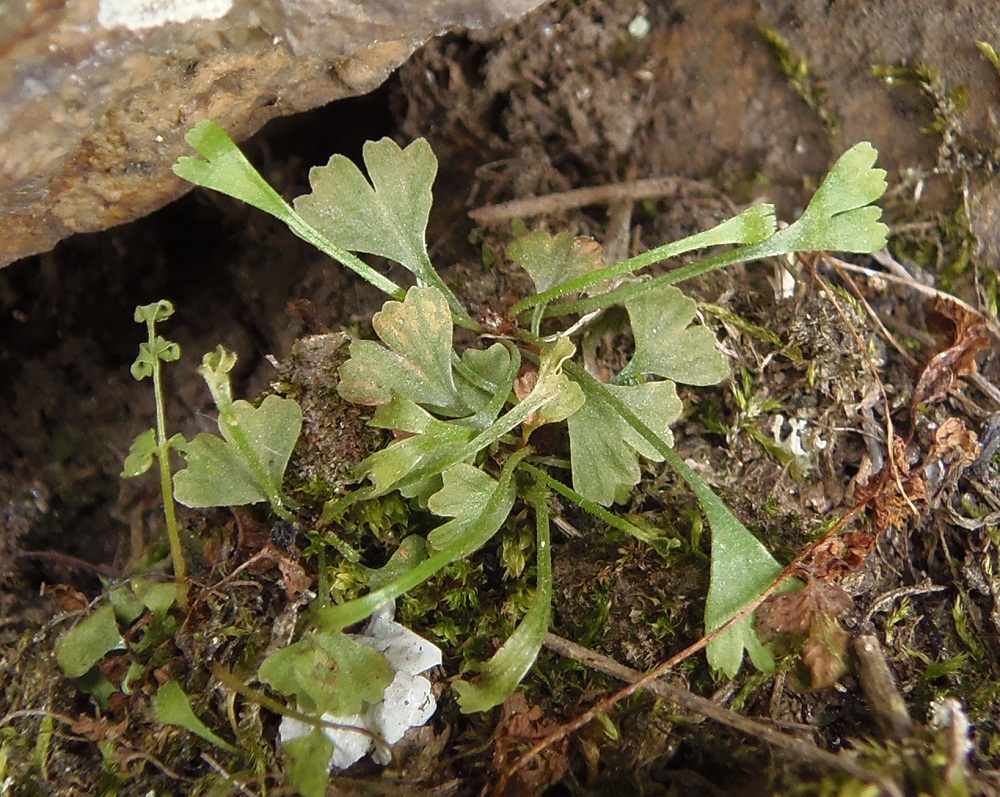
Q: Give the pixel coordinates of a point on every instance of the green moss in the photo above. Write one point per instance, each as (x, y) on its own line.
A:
(796, 71)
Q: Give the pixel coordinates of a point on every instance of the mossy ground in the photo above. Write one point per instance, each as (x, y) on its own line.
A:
(513, 117)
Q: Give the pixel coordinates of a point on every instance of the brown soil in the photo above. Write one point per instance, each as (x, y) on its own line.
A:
(565, 99)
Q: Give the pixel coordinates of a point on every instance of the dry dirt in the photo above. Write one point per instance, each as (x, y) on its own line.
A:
(565, 99)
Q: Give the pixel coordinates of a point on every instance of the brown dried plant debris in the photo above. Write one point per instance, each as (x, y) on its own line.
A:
(954, 450)
(810, 616)
(837, 556)
(900, 493)
(893, 493)
(898, 489)
(965, 334)
(520, 725)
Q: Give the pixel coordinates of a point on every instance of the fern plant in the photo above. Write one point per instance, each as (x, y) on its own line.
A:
(464, 418)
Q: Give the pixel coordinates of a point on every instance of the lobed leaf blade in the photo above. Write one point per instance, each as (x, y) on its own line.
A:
(666, 344)
(140, 455)
(353, 674)
(218, 472)
(728, 595)
(741, 570)
(554, 259)
(385, 217)
(433, 446)
(225, 169)
(216, 475)
(415, 361)
(85, 644)
(306, 763)
(464, 494)
(604, 448)
(840, 216)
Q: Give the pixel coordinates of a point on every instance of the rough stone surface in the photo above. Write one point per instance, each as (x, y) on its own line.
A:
(96, 95)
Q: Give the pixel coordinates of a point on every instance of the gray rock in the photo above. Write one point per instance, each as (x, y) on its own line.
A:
(96, 95)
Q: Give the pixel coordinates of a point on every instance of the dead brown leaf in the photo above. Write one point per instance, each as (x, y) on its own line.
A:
(824, 655)
(955, 448)
(96, 729)
(810, 616)
(294, 577)
(966, 334)
(519, 726)
(794, 613)
(523, 386)
(840, 555)
(70, 598)
(253, 534)
(894, 492)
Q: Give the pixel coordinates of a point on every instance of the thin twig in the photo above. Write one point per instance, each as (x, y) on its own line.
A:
(804, 750)
(985, 386)
(648, 188)
(131, 754)
(39, 712)
(879, 685)
(267, 552)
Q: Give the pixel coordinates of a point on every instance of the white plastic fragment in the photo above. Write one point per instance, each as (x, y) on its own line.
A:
(407, 701)
(404, 650)
(348, 747)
